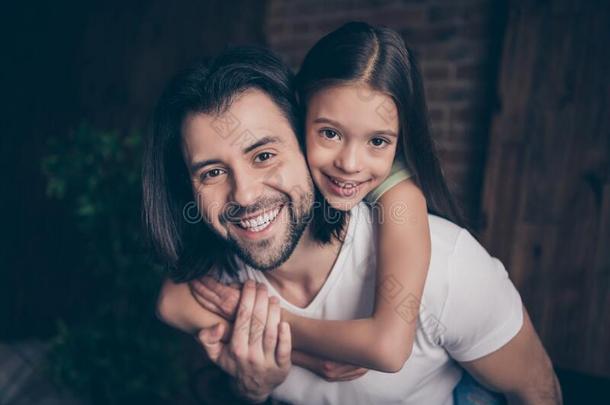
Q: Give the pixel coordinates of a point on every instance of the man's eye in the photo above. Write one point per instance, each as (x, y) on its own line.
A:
(379, 142)
(329, 134)
(261, 157)
(210, 174)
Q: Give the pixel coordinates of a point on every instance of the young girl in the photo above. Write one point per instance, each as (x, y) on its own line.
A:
(365, 112)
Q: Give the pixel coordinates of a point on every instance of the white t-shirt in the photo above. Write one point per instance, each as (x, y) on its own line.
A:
(469, 309)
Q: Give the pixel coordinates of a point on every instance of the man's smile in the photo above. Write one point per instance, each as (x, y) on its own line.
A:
(259, 225)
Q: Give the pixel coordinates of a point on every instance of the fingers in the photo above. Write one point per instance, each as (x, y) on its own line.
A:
(199, 288)
(226, 298)
(259, 319)
(218, 288)
(241, 331)
(271, 328)
(205, 303)
(223, 291)
(284, 346)
(359, 372)
(333, 371)
(208, 300)
(210, 339)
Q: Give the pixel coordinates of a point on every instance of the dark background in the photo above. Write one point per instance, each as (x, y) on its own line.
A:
(101, 62)
(518, 100)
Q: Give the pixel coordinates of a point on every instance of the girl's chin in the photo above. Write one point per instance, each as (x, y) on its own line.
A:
(341, 204)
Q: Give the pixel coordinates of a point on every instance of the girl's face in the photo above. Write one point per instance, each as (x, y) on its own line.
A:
(351, 137)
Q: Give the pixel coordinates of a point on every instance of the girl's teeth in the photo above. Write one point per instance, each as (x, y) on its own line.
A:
(344, 185)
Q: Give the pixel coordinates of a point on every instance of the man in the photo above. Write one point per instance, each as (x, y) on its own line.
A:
(226, 136)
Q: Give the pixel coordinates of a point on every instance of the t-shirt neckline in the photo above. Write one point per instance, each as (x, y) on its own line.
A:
(335, 271)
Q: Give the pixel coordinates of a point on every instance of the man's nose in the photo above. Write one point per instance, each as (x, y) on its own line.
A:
(349, 159)
(246, 188)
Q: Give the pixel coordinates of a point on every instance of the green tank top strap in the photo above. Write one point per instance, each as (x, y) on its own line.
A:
(398, 173)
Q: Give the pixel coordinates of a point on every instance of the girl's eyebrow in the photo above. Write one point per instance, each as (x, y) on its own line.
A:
(385, 132)
(324, 120)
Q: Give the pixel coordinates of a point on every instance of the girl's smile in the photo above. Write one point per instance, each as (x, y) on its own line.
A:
(344, 187)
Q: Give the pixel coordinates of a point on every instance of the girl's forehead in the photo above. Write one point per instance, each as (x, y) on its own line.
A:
(355, 105)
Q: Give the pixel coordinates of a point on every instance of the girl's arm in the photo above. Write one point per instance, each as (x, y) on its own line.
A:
(384, 341)
(177, 307)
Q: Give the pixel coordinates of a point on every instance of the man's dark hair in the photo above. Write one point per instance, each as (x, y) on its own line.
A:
(190, 248)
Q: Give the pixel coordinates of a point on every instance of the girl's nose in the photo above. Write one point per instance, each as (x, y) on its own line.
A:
(348, 160)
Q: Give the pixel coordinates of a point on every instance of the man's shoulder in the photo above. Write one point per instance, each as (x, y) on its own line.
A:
(445, 239)
(443, 233)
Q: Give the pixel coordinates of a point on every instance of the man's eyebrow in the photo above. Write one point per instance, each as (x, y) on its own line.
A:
(196, 166)
(324, 120)
(261, 142)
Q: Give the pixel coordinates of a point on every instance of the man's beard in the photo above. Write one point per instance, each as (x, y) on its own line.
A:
(269, 254)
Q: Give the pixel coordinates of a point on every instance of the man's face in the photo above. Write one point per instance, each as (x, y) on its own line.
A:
(249, 178)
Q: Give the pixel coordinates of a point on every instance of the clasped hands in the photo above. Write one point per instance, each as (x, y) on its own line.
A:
(257, 349)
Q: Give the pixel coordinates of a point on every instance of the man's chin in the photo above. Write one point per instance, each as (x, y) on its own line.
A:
(271, 252)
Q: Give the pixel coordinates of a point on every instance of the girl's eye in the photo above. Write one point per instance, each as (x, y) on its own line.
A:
(211, 174)
(379, 142)
(329, 134)
(261, 157)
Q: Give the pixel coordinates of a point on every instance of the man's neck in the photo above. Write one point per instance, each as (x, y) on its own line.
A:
(301, 277)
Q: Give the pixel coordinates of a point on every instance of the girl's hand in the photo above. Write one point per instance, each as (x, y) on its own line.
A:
(219, 298)
(329, 370)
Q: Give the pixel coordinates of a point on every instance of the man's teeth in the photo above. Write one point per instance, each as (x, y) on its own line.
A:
(343, 184)
(260, 222)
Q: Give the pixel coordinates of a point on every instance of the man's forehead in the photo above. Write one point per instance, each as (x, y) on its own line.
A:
(248, 116)
(252, 120)
(204, 130)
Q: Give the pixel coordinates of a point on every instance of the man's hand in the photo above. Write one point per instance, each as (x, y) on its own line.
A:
(216, 297)
(258, 354)
(223, 300)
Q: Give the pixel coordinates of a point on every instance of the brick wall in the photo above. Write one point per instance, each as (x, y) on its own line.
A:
(458, 45)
